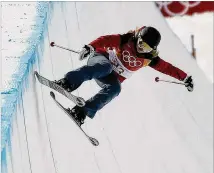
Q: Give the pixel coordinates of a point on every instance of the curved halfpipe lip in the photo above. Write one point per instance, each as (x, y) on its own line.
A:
(12, 95)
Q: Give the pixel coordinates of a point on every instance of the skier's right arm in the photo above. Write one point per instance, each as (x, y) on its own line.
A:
(101, 42)
(111, 40)
(104, 42)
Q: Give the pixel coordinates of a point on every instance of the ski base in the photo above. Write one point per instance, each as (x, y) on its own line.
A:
(79, 101)
(92, 140)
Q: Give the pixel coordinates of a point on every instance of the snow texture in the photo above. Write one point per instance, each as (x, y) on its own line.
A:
(150, 127)
(22, 32)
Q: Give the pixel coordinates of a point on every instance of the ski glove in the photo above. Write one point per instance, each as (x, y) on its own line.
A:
(87, 51)
(189, 83)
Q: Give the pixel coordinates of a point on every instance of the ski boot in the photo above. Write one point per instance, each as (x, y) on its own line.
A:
(78, 113)
(64, 84)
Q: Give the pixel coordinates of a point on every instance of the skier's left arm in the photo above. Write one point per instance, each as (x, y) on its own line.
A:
(164, 67)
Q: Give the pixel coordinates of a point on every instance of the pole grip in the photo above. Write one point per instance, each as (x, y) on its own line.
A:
(157, 79)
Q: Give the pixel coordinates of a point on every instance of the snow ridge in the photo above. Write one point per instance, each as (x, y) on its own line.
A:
(12, 97)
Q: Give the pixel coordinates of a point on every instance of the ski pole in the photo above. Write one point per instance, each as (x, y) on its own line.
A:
(53, 44)
(157, 80)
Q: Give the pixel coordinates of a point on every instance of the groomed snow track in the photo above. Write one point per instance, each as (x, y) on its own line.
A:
(150, 128)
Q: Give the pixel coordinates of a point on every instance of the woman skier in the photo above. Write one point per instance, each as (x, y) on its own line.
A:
(111, 60)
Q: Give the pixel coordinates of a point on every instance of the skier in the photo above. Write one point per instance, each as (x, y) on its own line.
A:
(111, 60)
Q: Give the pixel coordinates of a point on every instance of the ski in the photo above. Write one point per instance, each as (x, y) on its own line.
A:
(79, 101)
(92, 140)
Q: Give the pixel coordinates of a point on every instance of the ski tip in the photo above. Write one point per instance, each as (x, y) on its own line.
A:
(94, 141)
(52, 94)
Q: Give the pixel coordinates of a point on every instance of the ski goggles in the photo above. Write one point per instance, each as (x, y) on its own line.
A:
(143, 47)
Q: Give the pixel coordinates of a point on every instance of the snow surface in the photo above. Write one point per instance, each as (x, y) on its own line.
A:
(201, 26)
(149, 128)
(17, 27)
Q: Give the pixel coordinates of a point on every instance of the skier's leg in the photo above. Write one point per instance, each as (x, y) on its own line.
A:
(97, 67)
(111, 88)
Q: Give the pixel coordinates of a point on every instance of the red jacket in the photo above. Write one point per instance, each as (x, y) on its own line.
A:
(121, 51)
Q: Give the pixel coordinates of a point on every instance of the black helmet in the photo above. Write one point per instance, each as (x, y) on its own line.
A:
(150, 35)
